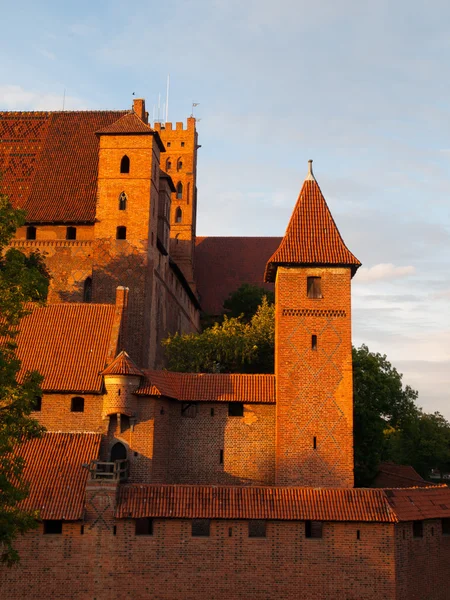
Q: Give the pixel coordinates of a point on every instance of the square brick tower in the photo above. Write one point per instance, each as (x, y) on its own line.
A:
(312, 271)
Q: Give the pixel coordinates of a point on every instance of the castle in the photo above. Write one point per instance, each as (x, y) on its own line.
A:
(162, 485)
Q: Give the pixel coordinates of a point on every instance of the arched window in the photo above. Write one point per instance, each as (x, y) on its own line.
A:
(71, 233)
(179, 164)
(118, 452)
(168, 164)
(31, 233)
(179, 191)
(125, 164)
(122, 201)
(77, 404)
(121, 233)
(178, 215)
(87, 290)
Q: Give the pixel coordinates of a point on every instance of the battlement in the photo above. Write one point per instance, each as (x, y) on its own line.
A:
(179, 126)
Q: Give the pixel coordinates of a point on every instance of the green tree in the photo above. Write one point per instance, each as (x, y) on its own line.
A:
(22, 279)
(381, 403)
(246, 300)
(232, 346)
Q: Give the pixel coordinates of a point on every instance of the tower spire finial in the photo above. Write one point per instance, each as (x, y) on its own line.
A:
(310, 176)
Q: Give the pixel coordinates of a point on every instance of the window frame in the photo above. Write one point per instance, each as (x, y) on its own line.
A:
(257, 529)
(313, 529)
(75, 405)
(125, 164)
(143, 527)
(53, 526)
(121, 233)
(201, 528)
(237, 410)
(314, 287)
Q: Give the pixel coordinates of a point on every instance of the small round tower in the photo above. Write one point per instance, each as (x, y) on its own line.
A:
(122, 377)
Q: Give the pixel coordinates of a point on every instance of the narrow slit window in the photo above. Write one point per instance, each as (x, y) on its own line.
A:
(182, 144)
(313, 529)
(358, 534)
(314, 342)
(71, 233)
(221, 457)
(121, 233)
(257, 528)
(87, 290)
(179, 191)
(201, 527)
(314, 287)
(143, 526)
(31, 233)
(315, 443)
(125, 164)
(77, 404)
(122, 201)
(178, 215)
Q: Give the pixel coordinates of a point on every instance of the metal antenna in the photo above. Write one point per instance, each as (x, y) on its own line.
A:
(64, 98)
(167, 99)
(194, 104)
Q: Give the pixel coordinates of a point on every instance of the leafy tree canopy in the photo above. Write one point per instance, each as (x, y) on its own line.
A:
(22, 279)
(246, 300)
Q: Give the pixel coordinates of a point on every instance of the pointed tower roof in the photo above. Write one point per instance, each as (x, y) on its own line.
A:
(122, 365)
(311, 237)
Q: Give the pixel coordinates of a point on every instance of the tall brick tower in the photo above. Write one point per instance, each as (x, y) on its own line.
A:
(180, 162)
(312, 271)
(126, 223)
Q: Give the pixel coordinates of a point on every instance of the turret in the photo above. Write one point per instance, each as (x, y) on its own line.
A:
(122, 377)
(312, 271)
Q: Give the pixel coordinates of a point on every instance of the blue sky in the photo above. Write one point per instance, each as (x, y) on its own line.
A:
(360, 87)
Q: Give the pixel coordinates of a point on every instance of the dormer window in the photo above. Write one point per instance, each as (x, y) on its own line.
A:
(314, 287)
(123, 201)
(125, 164)
(179, 191)
(178, 215)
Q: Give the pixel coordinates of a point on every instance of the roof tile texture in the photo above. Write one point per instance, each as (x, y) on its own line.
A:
(415, 504)
(128, 123)
(49, 162)
(68, 344)
(208, 387)
(53, 467)
(122, 365)
(312, 236)
(223, 264)
(288, 503)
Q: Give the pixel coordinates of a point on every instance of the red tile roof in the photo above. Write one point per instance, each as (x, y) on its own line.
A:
(128, 123)
(122, 365)
(223, 264)
(49, 163)
(312, 237)
(392, 475)
(68, 344)
(415, 504)
(198, 387)
(287, 503)
(53, 467)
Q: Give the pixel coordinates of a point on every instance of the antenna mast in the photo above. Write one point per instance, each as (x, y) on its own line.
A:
(167, 99)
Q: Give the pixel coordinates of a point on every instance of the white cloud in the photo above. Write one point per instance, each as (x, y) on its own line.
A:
(383, 271)
(15, 97)
(47, 54)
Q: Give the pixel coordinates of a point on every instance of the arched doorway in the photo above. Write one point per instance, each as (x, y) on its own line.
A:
(118, 452)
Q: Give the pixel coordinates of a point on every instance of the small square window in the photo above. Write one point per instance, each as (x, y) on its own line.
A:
(168, 144)
(445, 526)
(417, 529)
(257, 528)
(235, 409)
(314, 287)
(71, 233)
(77, 404)
(37, 404)
(53, 527)
(200, 527)
(313, 529)
(189, 410)
(143, 526)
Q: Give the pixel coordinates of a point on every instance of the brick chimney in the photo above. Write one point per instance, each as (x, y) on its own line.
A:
(139, 108)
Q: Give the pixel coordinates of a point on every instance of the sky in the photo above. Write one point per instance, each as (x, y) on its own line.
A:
(360, 87)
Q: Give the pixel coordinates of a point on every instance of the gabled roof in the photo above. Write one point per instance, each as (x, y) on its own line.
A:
(122, 365)
(311, 237)
(49, 163)
(131, 124)
(223, 264)
(393, 475)
(210, 387)
(53, 468)
(68, 344)
(280, 503)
